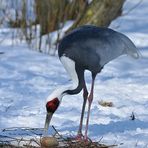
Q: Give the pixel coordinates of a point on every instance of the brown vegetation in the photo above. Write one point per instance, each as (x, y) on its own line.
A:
(51, 15)
(54, 141)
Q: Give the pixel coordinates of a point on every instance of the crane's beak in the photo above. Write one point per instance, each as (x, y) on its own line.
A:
(47, 121)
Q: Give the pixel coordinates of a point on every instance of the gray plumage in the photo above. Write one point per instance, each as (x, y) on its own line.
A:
(92, 47)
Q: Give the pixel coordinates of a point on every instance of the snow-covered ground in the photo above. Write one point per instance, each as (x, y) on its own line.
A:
(28, 77)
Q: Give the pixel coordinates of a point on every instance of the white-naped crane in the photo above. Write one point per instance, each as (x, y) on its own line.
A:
(87, 48)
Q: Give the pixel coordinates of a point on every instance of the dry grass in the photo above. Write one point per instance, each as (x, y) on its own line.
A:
(83, 144)
(35, 142)
(66, 144)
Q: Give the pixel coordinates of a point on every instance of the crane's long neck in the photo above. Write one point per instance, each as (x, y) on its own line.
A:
(75, 89)
(77, 75)
(69, 89)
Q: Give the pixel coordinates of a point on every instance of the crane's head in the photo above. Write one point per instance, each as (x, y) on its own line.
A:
(52, 103)
(51, 107)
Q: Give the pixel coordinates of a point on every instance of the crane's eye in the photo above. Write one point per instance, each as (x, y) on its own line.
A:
(52, 105)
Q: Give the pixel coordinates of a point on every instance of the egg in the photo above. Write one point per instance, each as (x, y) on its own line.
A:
(47, 142)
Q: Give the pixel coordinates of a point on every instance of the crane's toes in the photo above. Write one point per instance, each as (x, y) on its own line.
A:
(79, 137)
(87, 139)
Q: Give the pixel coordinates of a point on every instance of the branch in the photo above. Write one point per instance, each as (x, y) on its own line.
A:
(131, 9)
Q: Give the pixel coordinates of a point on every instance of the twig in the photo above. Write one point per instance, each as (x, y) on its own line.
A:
(135, 6)
(22, 128)
(19, 141)
(8, 137)
(58, 133)
(63, 142)
(100, 139)
(112, 145)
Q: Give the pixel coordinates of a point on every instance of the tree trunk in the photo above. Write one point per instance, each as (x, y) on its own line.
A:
(99, 13)
(51, 13)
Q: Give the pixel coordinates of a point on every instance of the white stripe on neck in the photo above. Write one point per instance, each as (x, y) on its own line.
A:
(69, 65)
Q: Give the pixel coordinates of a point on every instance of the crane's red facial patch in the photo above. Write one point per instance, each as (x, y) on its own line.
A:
(52, 105)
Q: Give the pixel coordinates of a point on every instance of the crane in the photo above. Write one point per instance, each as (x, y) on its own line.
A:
(86, 48)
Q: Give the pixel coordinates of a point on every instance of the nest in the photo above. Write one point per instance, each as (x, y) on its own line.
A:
(36, 141)
(83, 144)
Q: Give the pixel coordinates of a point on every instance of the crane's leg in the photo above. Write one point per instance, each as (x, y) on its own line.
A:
(90, 99)
(85, 95)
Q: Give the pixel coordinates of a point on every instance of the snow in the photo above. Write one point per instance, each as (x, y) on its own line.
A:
(28, 77)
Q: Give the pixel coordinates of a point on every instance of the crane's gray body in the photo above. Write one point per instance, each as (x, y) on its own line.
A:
(92, 47)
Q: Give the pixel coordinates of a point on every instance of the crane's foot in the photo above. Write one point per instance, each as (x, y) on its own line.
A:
(87, 139)
(80, 136)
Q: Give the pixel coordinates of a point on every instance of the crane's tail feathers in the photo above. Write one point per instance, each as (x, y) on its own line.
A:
(133, 52)
(130, 48)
